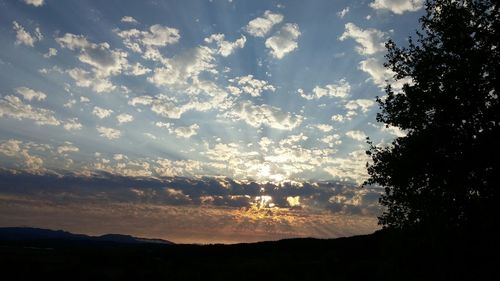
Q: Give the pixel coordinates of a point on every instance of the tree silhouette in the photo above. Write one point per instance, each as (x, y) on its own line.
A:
(445, 171)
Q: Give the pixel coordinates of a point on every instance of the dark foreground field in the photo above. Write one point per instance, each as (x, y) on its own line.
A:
(379, 256)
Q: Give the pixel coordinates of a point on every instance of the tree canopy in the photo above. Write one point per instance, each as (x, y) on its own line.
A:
(445, 171)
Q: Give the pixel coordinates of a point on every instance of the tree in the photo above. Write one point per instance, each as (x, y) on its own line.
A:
(445, 171)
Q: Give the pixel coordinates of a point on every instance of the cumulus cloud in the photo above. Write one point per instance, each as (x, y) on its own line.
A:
(148, 42)
(184, 67)
(356, 135)
(13, 107)
(72, 124)
(351, 168)
(52, 52)
(360, 104)
(260, 26)
(370, 40)
(250, 85)
(338, 118)
(124, 118)
(226, 48)
(398, 6)
(371, 45)
(129, 19)
(395, 131)
(338, 90)
(108, 133)
(10, 147)
(186, 132)
(18, 149)
(161, 105)
(343, 12)
(137, 69)
(36, 3)
(381, 75)
(68, 147)
(120, 157)
(104, 60)
(332, 140)
(101, 112)
(86, 80)
(24, 37)
(284, 41)
(258, 115)
(30, 94)
(324, 127)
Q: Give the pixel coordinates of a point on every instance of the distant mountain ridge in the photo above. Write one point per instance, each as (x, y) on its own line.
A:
(31, 233)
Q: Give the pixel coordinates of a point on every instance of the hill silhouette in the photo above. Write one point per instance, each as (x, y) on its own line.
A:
(383, 255)
(40, 234)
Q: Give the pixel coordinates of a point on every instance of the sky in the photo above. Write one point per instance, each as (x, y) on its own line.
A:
(208, 121)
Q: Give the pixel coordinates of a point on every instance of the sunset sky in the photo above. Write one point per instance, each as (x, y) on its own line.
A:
(194, 121)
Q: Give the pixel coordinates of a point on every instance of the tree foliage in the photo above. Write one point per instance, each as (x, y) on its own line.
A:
(445, 171)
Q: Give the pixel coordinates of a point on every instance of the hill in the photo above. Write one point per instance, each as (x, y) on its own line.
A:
(44, 235)
(383, 255)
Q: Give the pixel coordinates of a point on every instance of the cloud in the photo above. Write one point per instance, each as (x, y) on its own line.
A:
(108, 133)
(24, 37)
(68, 147)
(284, 41)
(51, 53)
(138, 69)
(356, 135)
(343, 12)
(184, 67)
(226, 48)
(129, 19)
(187, 132)
(70, 103)
(324, 127)
(29, 94)
(104, 60)
(13, 107)
(148, 42)
(120, 157)
(370, 40)
(258, 115)
(161, 105)
(124, 118)
(182, 132)
(278, 205)
(251, 86)
(101, 112)
(371, 45)
(362, 104)
(72, 124)
(10, 147)
(332, 140)
(395, 131)
(338, 118)
(36, 3)
(34, 164)
(351, 168)
(398, 6)
(149, 135)
(338, 90)
(85, 79)
(18, 149)
(293, 201)
(260, 26)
